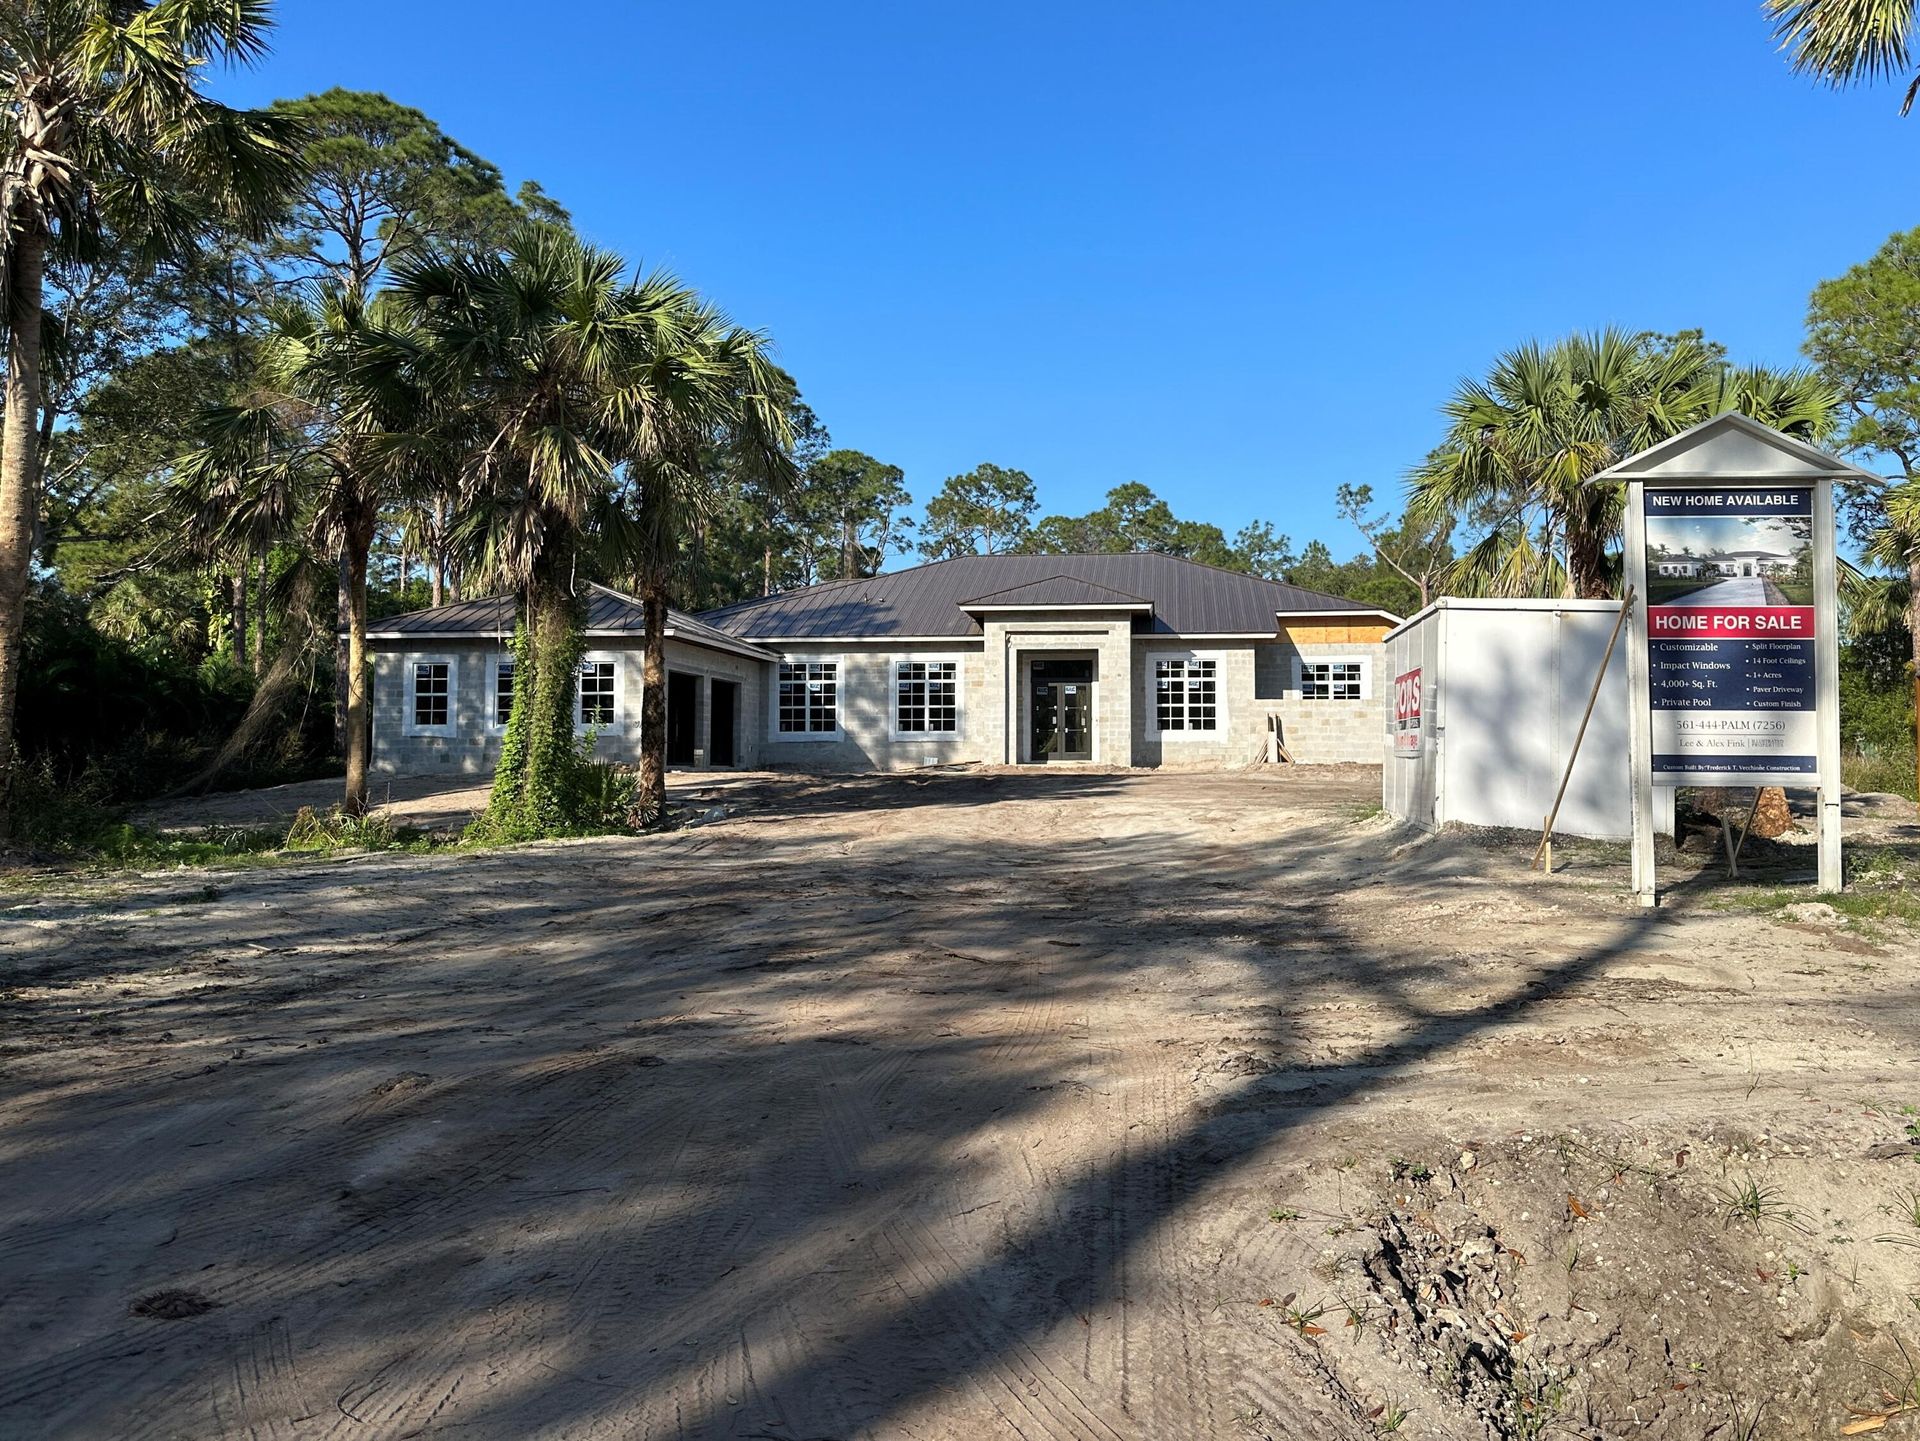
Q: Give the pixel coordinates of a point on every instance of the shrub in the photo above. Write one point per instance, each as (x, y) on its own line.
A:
(592, 798)
(58, 820)
(119, 720)
(334, 829)
(1889, 770)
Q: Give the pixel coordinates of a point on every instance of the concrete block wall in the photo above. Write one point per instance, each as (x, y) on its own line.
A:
(707, 666)
(1256, 678)
(1014, 640)
(1240, 736)
(866, 694)
(1325, 731)
(473, 745)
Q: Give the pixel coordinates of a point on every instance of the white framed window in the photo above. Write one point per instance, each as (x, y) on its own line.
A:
(1183, 695)
(1333, 677)
(432, 695)
(806, 700)
(499, 691)
(596, 693)
(926, 696)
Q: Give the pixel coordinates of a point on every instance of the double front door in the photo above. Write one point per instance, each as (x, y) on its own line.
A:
(1061, 707)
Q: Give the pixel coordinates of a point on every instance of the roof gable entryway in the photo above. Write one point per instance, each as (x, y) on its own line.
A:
(1057, 592)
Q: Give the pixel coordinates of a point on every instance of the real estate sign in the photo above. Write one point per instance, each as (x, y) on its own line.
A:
(1733, 655)
(1733, 675)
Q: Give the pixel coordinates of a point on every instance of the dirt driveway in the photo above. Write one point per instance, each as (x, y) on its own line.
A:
(1160, 1106)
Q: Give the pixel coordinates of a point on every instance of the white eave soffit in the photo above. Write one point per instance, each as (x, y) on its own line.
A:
(1732, 448)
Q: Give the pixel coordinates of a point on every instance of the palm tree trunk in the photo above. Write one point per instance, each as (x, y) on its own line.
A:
(537, 763)
(1913, 633)
(1587, 564)
(653, 705)
(344, 618)
(439, 543)
(260, 621)
(359, 738)
(239, 583)
(19, 485)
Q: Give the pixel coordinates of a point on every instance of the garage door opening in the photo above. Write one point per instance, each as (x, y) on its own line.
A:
(723, 713)
(683, 718)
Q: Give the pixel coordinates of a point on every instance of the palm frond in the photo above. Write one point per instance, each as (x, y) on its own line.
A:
(1843, 42)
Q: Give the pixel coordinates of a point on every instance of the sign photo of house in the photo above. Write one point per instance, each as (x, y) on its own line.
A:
(1729, 560)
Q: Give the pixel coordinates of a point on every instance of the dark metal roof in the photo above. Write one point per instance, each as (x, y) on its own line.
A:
(1056, 590)
(929, 600)
(608, 613)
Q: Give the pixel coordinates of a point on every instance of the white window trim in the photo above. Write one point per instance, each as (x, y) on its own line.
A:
(407, 725)
(1151, 700)
(599, 657)
(959, 664)
(780, 737)
(1295, 692)
(494, 662)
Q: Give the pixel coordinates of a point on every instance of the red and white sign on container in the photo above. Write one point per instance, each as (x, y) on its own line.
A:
(1406, 713)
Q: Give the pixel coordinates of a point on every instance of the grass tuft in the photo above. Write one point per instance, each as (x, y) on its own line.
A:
(1756, 1204)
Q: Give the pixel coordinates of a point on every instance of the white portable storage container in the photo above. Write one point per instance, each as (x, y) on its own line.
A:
(1502, 685)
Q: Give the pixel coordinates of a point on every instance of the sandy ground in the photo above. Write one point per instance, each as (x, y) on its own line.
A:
(955, 1106)
(427, 803)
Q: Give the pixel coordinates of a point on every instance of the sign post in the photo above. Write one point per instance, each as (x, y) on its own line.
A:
(1733, 660)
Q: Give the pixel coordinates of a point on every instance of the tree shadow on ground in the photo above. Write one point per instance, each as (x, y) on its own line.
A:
(675, 1136)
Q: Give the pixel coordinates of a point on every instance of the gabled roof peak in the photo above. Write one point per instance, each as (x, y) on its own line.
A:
(1056, 590)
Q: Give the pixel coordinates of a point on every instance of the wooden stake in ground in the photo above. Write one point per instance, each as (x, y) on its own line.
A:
(1545, 848)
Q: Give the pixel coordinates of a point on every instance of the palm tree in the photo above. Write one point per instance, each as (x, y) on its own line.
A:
(594, 400)
(1841, 42)
(1522, 444)
(1846, 41)
(109, 134)
(340, 431)
(728, 397)
(534, 348)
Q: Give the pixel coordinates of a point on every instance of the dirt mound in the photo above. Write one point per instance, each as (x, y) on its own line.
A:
(1681, 1289)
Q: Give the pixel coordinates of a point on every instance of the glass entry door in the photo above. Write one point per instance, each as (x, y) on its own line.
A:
(1061, 705)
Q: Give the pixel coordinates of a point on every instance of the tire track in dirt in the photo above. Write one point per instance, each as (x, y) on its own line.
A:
(1151, 1232)
(839, 1113)
(972, 1342)
(424, 1385)
(1017, 1379)
(263, 1398)
(607, 1262)
(331, 1261)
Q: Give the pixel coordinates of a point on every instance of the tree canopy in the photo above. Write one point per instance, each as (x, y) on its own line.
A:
(986, 511)
(1522, 443)
(1863, 333)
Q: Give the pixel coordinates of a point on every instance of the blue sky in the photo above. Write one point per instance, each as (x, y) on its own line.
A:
(1239, 252)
